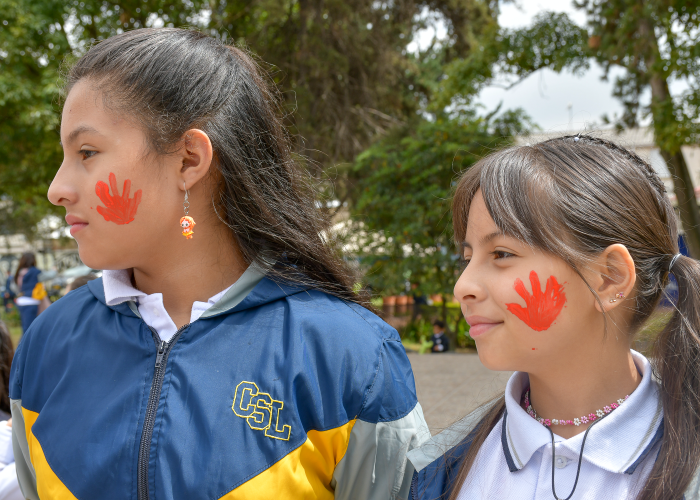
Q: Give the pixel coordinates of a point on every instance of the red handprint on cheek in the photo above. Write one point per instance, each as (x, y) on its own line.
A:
(117, 209)
(541, 309)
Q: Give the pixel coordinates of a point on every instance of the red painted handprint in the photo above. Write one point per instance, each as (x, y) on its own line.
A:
(541, 309)
(117, 209)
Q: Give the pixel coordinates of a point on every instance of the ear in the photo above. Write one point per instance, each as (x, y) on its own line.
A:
(614, 274)
(197, 155)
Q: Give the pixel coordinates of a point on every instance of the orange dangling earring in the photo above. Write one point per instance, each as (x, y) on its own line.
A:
(187, 222)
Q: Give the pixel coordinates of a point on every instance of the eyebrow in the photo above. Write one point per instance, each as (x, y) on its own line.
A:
(485, 239)
(82, 129)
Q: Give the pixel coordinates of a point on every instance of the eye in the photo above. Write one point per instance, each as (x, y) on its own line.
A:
(501, 254)
(87, 153)
(463, 263)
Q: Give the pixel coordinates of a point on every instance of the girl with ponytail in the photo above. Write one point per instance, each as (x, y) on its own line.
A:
(569, 245)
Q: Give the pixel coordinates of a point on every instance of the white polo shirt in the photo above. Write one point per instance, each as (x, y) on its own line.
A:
(118, 289)
(515, 461)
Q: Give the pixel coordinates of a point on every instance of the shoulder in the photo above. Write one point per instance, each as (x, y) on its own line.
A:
(370, 351)
(337, 317)
(65, 311)
(55, 334)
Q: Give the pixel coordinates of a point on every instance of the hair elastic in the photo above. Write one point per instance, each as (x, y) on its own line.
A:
(673, 261)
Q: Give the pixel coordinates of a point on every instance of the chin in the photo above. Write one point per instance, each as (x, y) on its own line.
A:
(494, 361)
(101, 258)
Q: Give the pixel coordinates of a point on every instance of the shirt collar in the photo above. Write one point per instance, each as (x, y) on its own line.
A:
(617, 444)
(118, 288)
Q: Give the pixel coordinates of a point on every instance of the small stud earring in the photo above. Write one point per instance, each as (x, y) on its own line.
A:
(619, 295)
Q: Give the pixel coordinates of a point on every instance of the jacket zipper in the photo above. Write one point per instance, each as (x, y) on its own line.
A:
(163, 350)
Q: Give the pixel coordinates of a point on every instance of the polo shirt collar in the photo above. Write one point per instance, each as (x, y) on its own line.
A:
(617, 444)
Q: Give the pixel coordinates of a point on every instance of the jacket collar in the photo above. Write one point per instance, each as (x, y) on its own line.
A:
(617, 444)
(251, 290)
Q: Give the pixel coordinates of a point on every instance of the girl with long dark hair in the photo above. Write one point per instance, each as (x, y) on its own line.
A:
(223, 354)
(31, 291)
(568, 246)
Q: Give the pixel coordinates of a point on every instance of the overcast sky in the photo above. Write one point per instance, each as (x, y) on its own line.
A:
(546, 95)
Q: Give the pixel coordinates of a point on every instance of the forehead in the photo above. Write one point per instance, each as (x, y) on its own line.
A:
(480, 222)
(82, 103)
(84, 110)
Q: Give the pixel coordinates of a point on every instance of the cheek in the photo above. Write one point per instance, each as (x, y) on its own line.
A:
(539, 307)
(117, 207)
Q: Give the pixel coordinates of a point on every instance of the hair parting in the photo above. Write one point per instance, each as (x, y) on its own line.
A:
(572, 197)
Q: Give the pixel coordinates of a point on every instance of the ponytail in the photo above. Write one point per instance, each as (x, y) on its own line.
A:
(676, 362)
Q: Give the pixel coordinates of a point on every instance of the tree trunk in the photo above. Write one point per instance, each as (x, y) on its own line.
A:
(662, 110)
(685, 195)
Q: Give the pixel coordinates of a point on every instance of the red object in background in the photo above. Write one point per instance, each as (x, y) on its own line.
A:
(541, 308)
(389, 301)
(117, 209)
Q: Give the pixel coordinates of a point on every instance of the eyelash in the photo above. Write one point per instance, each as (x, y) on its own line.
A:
(498, 254)
(85, 155)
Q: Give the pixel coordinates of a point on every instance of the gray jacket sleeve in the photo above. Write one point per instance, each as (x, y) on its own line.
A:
(375, 466)
(26, 476)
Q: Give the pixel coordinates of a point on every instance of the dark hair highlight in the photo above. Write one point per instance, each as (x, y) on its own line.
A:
(572, 197)
(172, 80)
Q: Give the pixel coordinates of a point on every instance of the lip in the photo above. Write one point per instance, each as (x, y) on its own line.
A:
(479, 325)
(75, 223)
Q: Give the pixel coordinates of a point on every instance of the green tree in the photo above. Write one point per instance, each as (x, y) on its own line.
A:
(402, 194)
(656, 42)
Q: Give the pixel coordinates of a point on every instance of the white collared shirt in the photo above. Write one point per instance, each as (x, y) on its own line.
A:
(118, 289)
(515, 461)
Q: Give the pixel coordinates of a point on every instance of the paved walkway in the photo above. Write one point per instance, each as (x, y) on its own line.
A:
(450, 385)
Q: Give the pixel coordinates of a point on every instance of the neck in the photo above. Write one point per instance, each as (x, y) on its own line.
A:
(185, 271)
(575, 387)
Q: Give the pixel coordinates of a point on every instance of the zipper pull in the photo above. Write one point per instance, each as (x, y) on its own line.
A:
(161, 353)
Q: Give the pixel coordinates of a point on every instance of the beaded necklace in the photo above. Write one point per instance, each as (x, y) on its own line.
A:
(593, 418)
(577, 421)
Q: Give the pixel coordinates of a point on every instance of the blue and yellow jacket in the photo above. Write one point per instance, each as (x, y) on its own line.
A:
(288, 394)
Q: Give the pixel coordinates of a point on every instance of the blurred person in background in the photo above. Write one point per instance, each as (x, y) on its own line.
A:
(440, 341)
(8, 296)
(30, 290)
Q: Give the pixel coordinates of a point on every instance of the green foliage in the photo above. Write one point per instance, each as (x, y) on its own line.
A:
(402, 188)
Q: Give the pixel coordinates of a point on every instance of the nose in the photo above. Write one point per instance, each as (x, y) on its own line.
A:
(62, 191)
(468, 288)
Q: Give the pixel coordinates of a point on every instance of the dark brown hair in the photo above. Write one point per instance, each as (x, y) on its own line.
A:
(598, 194)
(26, 261)
(172, 80)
